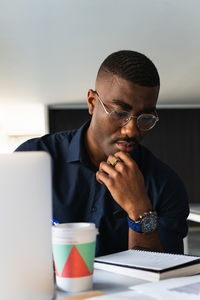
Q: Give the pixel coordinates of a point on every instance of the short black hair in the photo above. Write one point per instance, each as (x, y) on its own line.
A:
(132, 66)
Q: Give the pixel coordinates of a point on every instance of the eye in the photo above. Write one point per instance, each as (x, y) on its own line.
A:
(146, 121)
(120, 114)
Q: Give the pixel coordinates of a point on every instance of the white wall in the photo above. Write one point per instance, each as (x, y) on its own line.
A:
(51, 49)
(19, 122)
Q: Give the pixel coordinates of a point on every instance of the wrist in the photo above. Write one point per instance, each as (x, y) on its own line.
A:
(134, 214)
(139, 206)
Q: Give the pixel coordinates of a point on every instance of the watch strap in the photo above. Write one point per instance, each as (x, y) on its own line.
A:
(133, 225)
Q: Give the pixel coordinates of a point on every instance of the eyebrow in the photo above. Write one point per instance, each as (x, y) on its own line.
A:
(129, 107)
(122, 104)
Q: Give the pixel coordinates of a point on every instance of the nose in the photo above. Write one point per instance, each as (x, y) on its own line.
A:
(130, 128)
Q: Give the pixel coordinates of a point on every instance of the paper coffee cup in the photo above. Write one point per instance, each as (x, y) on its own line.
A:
(73, 253)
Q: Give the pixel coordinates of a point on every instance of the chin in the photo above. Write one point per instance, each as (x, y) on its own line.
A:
(113, 150)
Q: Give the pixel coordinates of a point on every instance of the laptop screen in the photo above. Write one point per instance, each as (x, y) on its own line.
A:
(25, 226)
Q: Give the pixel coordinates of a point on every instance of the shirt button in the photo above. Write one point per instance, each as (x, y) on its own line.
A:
(94, 209)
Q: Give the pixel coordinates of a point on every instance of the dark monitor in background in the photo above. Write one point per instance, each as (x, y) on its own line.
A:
(175, 139)
(63, 117)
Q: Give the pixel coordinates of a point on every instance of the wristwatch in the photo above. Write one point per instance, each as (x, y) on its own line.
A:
(145, 223)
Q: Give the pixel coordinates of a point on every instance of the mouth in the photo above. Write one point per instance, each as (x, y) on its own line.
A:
(125, 146)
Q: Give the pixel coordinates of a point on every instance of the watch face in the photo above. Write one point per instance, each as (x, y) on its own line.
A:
(149, 223)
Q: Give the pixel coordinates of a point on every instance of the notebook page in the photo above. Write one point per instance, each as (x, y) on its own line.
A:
(146, 259)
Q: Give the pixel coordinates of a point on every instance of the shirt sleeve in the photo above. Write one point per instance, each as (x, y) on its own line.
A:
(173, 210)
(36, 144)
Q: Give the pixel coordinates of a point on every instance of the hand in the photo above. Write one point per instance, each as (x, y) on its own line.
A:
(126, 184)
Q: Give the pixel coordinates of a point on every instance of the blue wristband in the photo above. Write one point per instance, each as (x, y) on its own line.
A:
(134, 226)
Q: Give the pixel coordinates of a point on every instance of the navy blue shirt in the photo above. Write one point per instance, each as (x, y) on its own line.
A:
(79, 197)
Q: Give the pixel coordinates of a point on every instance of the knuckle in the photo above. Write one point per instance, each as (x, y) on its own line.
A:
(110, 182)
(121, 167)
(115, 175)
(101, 165)
(133, 163)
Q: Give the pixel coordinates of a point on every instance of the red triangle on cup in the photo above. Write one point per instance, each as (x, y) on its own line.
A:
(75, 265)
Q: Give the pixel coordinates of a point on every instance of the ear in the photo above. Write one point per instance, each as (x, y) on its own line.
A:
(91, 101)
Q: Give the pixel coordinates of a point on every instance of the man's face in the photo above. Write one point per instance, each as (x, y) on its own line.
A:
(106, 136)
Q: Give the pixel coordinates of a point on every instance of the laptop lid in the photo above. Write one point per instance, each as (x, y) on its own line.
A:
(26, 267)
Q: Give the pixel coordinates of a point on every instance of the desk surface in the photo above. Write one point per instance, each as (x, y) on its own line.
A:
(194, 212)
(107, 282)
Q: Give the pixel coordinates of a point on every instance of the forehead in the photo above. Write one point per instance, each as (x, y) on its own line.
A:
(116, 88)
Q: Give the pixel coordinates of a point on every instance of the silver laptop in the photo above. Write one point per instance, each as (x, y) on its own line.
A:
(26, 268)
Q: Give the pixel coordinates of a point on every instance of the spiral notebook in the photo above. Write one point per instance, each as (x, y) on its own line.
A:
(152, 266)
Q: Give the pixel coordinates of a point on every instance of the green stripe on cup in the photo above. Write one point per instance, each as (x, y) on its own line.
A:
(61, 253)
(87, 251)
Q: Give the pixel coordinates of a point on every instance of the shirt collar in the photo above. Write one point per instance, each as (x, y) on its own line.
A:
(77, 150)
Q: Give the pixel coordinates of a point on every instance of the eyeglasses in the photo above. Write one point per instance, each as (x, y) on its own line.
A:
(144, 121)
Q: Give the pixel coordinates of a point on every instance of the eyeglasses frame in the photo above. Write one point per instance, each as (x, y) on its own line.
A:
(130, 117)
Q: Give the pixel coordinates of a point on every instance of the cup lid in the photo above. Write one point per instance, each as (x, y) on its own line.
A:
(76, 226)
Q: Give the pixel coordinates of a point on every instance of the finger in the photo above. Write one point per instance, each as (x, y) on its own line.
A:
(102, 177)
(125, 157)
(101, 182)
(106, 168)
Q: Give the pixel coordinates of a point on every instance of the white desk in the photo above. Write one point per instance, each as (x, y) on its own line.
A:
(194, 216)
(194, 213)
(107, 282)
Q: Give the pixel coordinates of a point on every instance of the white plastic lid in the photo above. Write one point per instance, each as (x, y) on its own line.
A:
(74, 227)
(71, 231)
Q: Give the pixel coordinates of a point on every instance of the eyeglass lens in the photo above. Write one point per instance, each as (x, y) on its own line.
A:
(144, 121)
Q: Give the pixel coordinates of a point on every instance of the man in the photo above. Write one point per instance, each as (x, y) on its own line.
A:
(102, 174)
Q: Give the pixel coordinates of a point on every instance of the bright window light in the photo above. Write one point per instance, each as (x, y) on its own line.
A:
(20, 122)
